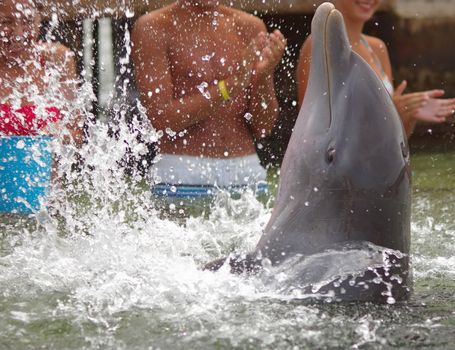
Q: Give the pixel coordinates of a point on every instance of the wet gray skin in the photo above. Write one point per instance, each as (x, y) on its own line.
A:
(345, 176)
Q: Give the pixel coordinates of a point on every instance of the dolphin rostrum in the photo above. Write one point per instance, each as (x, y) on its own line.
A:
(346, 174)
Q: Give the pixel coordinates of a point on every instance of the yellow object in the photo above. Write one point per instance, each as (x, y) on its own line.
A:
(223, 90)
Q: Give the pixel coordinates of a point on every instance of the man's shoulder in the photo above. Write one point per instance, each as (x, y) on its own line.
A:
(160, 17)
(246, 19)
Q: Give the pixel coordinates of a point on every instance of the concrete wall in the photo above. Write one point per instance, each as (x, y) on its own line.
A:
(422, 52)
(403, 8)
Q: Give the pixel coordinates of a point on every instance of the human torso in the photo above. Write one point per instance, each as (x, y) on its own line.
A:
(366, 50)
(20, 89)
(201, 51)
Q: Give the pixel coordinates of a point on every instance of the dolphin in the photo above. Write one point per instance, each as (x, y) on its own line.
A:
(345, 176)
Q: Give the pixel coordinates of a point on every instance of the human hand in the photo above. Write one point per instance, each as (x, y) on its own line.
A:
(272, 52)
(425, 106)
(242, 76)
(407, 104)
(435, 110)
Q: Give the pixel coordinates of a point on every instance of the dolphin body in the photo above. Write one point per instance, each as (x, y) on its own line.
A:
(345, 177)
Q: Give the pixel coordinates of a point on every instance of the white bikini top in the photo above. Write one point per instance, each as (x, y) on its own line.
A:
(388, 85)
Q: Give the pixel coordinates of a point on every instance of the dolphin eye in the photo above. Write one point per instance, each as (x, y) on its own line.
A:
(331, 155)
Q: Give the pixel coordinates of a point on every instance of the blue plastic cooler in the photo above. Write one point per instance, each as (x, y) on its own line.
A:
(25, 173)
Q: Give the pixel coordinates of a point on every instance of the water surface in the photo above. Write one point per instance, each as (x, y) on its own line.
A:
(112, 273)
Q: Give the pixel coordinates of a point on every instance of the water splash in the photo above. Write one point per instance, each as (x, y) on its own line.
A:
(101, 268)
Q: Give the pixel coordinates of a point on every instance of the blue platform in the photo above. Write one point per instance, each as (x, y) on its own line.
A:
(25, 173)
(195, 192)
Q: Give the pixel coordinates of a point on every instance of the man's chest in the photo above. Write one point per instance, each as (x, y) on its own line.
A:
(202, 56)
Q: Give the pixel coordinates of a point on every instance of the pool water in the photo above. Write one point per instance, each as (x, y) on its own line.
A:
(118, 275)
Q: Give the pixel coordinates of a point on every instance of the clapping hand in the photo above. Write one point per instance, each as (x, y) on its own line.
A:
(273, 46)
(259, 58)
(425, 106)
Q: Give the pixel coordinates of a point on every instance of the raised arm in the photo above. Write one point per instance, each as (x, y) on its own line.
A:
(263, 101)
(68, 87)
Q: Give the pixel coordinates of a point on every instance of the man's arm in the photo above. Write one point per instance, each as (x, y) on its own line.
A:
(263, 101)
(66, 63)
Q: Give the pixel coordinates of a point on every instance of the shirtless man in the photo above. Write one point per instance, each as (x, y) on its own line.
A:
(205, 76)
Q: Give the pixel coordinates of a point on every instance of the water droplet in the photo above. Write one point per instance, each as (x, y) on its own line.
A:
(170, 132)
(208, 57)
(391, 300)
(20, 144)
(202, 88)
(248, 116)
(266, 263)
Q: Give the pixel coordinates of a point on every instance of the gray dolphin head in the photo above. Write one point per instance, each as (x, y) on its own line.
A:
(345, 175)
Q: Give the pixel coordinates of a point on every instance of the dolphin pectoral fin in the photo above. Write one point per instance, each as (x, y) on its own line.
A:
(239, 264)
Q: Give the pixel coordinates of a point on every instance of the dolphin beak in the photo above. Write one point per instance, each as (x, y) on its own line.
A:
(326, 55)
(330, 52)
(337, 48)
